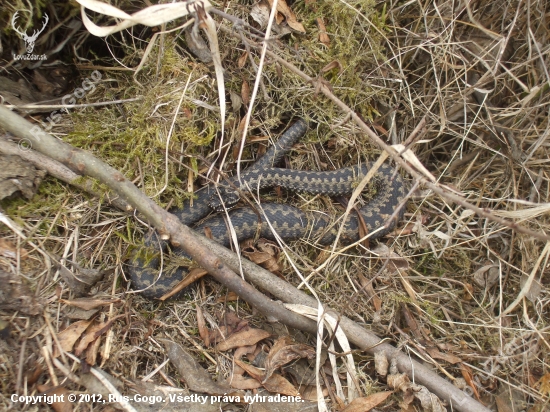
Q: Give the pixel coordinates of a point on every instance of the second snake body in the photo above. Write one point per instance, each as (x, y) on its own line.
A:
(287, 221)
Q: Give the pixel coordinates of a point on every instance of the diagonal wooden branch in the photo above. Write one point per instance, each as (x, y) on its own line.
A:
(166, 224)
(59, 171)
(219, 261)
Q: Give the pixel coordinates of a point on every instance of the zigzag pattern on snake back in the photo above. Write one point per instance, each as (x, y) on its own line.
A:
(288, 222)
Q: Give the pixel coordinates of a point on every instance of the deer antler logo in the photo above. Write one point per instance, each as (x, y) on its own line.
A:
(29, 40)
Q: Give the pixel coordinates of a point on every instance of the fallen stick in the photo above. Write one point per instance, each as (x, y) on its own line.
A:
(59, 171)
(219, 263)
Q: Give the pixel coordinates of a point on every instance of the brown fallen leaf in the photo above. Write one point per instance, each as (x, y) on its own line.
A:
(232, 321)
(283, 352)
(240, 382)
(283, 8)
(276, 383)
(94, 332)
(544, 383)
(68, 336)
(396, 263)
(447, 357)
(92, 351)
(87, 338)
(323, 36)
(244, 350)
(332, 65)
(245, 92)
(192, 276)
(243, 338)
(263, 259)
(203, 330)
(367, 287)
(89, 303)
(503, 404)
(469, 378)
(366, 404)
(229, 323)
(8, 250)
(309, 392)
(229, 297)
(80, 279)
(196, 377)
(60, 393)
(17, 296)
(242, 60)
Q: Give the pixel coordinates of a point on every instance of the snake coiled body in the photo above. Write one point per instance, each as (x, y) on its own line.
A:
(287, 221)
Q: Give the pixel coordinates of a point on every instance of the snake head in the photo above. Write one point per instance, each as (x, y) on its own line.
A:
(224, 199)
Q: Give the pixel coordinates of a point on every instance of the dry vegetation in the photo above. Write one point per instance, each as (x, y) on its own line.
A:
(451, 273)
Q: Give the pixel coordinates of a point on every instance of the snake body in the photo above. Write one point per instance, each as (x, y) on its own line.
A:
(287, 221)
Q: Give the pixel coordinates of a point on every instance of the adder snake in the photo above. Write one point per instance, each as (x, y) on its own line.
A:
(288, 222)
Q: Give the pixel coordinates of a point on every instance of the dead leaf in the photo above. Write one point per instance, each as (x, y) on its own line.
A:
(92, 351)
(447, 357)
(203, 330)
(62, 393)
(333, 64)
(238, 381)
(16, 295)
(309, 392)
(535, 289)
(277, 384)
(411, 391)
(93, 333)
(88, 338)
(242, 60)
(370, 292)
(196, 377)
(244, 350)
(253, 371)
(89, 303)
(396, 263)
(283, 8)
(192, 276)
(8, 250)
(229, 297)
(283, 352)
(366, 404)
(236, 101)
(70, 335)
(381, 363)
(260, 14)
(503, 404)
(544, 383)
(323, 36)
(469, 378)
(245, 93)
(243, 338)
(486, 276)
(265, 254)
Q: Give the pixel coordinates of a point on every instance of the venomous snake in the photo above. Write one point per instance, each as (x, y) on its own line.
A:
(288, 222)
